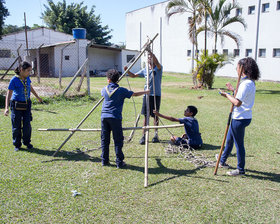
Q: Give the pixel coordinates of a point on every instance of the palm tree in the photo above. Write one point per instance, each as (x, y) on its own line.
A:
(192, 7)
(219, 19)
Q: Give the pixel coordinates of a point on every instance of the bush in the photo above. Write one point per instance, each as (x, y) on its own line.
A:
(207, 65)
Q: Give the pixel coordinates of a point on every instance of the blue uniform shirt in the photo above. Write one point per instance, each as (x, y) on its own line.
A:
(192, 130)
(18, 89)
(158, 77)
(113, 102)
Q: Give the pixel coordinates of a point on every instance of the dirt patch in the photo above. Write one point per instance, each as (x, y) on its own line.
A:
(41, 91)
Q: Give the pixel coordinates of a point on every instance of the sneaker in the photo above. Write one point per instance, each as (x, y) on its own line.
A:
(236, 172)
(222, 165)
(29, 146)
(142, 140)
(16, 149)
(155, 139)
(121, 165)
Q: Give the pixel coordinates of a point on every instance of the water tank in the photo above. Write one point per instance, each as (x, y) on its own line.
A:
(79, 33)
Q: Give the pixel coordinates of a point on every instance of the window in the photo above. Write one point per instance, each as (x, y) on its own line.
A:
(248, 53)
(197, 52)
(214, 51)
(262, 53)
(265, 7)
(225, 51)
(278, 5)
(276, 52)
(67, 57)
(238, 12)
(129, 57)
(5, 53)
(189, 52)
(251, 10)
(236, 52)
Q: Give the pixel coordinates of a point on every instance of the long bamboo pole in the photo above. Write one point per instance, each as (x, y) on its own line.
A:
(125, 72)
(124, 129)
(133, 130)
(147, 124)
(228, 123)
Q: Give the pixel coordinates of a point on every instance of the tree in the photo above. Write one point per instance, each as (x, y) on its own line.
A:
(64, 18)
(219, 19)
(3, 14)
(14, 28)
(194, 8)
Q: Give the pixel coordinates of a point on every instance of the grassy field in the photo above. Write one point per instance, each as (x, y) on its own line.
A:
(36, 187)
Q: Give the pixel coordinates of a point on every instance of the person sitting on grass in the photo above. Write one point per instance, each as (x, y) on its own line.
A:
(111, 117)
(192, 137)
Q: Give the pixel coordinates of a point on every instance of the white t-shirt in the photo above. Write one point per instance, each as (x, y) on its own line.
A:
(246, 94)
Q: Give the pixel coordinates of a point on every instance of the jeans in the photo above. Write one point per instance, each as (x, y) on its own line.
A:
(21, 126)
(236, 135)
(114, 125)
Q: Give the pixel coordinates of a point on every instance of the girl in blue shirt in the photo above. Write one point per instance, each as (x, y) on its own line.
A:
(18, 98)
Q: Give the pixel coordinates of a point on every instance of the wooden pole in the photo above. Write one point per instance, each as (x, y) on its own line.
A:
(75, 76)
(38, 63)
(82, 79)
(228, 124)
(124, 129)
(19, 60)
(10, 68)
(147, 124)
(26, 40)
(125, 72)
(132, 132)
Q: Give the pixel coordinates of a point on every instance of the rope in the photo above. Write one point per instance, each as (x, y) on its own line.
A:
(188, 153)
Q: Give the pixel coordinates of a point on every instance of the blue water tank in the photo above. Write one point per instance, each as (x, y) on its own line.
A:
(79, 33)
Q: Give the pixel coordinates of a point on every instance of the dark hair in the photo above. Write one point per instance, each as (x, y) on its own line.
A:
(113, 75)
(250, 68)
(23, 65)
(192, 109)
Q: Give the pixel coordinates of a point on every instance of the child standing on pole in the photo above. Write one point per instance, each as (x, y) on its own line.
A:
(18, 98)
(111, 117)
(242, 113)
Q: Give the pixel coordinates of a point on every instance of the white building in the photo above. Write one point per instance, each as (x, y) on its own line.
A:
(53, 52)
(261, 39)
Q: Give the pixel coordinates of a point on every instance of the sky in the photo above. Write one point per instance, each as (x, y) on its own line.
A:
(112, 13)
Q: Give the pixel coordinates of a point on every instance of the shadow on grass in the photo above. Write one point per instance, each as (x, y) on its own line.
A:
(63, 155)
(263, 175)
(264, 91)
(42, 110)
(161, 169)
(209, 147)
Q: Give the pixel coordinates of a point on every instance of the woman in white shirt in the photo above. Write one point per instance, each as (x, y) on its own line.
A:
(242, 113)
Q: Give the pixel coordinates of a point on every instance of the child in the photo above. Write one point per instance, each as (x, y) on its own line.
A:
(242, 113)
(18, 97)
(192, 136)
(111, 117)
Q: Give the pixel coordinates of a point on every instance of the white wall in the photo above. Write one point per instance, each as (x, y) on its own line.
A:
(173, 42)
(136, 67)
(101, 59)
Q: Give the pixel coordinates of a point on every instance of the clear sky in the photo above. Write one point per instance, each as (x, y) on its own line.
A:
(112, 12)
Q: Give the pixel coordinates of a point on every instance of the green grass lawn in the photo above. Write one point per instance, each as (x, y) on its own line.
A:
(36, 187)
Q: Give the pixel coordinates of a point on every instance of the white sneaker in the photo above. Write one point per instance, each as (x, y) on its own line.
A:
(236, 172)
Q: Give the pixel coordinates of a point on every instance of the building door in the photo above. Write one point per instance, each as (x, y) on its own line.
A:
(44, 65)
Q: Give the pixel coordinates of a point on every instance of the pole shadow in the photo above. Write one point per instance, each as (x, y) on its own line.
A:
(63, 155)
